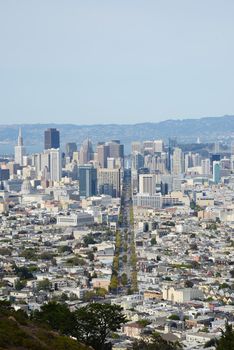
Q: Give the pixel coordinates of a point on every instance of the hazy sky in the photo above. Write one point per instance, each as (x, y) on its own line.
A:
(110, 61)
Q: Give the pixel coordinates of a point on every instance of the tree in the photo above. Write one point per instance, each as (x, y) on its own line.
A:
(114, 282)
(64, 249)
(155, 342)
(89, 240)
(174, 317)
(153, 241)
(20, 284)
(44, 284)
(23, 272)
(95, 322)
(226, 342)
(57, 316)
(101, 292)
(124, 279)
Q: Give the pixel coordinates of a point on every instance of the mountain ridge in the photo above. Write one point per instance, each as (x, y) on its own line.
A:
(208, 129)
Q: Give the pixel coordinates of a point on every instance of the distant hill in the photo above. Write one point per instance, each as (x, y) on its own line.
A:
(187, 130)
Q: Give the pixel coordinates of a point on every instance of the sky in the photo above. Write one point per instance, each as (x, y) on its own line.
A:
(115, 61)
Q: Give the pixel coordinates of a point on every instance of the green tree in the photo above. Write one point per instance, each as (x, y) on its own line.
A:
(95, 322)
(44, 284)
(20, 284)
(23, 273)
(89, 240)
(124, 279)
(57, 316)
(155, 342)
(226, 342)
(174, 317)
(29, 254)
(101, 292)
(114, 282)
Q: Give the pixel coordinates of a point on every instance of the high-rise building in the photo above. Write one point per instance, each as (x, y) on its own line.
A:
(109, 182)
(86, 152)
(116, 150)
(148, 147)
(55, 165)
(177, 161)
(137, 160)
(205, 163)
(19, 149)
(136, 147)
(171, 144)
(87, 180)
(51, 139)
(103, 152)
(216, 172)
(71, 147)
(147, 184)
(158, 146)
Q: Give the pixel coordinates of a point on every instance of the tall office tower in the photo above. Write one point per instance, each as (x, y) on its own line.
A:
(19, 150)
(51, 139)
(148, 147)
(216, 172)
(86, 152)
(103, 151)
(188, 161)
(45, 161)
(205, 164)
(116, 150)
(136, 147)
(87, 180)
(109, 182)
(137, 160)
(177, 161)
(147, 184)
(55, 165)
(160, 164)
(111, 163)
(158, 146)
(196, 159)
(171, 145)
(71, 147)
(36, 163)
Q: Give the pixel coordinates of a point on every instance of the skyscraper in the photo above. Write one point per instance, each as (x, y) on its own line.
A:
(51, 138)
(216, 172)
(55, 165)
(87, 180)
(102, 155)
(109, 182)
(205, 163)
(147, 184)
(19, 149)
(86, 152)
(71, 147)
(177, 161)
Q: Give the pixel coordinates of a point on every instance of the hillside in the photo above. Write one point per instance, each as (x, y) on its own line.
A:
(186, 130)
(19, 333)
